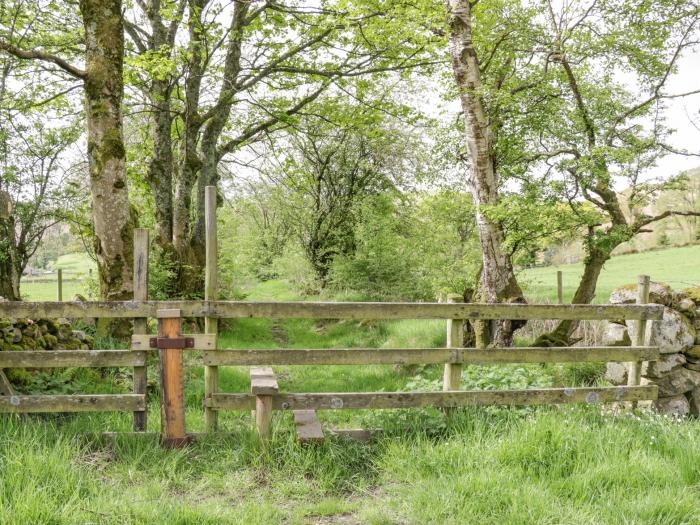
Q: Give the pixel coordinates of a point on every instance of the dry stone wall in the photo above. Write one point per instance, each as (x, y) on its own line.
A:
(677, 372)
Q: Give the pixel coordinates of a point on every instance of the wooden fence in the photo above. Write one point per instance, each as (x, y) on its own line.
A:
(265, 396)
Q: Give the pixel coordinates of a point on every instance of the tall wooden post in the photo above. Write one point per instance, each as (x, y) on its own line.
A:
(59, 285)
(140, 324)
(635, 368)
(455, 337)
(560, 287)
(172, 381)
(211, 373)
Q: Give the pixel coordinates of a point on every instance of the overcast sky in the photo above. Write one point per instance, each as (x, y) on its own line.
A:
(680, 111)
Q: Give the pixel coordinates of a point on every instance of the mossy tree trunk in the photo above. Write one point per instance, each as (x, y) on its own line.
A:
(104, 89)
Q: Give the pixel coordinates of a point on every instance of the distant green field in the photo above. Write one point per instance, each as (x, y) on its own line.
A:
(74, 266)
(679, 267)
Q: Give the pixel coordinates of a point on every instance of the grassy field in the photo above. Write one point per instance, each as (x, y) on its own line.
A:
(679, 267)
(75, 266)
(573, 465)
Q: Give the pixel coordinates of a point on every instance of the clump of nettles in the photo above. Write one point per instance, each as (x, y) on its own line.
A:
(42, 334)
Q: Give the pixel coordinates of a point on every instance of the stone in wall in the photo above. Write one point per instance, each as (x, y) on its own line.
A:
(659, 293)
(677, 405)
(42, 334)
(678, 381)
(694, 402)
(665, 364)
(672, 334)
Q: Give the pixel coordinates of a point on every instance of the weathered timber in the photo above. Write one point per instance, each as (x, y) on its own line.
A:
(635, 367)
(71, 358)
(452, 372)
(361, 356)
(172, 378)
(263, 415)
(263, 385)
(59, 285)
(141, 245)
(308, 426)
(358, 434)
(330, 310)
(73, 403)
(201, 341)
(382, 400)
(211, 373)
(560, 287)
(5, 385)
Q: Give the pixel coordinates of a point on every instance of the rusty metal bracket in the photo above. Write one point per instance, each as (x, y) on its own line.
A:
(171, 342)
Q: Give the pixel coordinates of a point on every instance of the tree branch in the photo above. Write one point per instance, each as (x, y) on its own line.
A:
(37, 54)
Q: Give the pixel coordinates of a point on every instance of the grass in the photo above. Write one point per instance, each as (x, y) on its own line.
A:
(75, 266)
(490, 466)
(678, 267)
(549, 465)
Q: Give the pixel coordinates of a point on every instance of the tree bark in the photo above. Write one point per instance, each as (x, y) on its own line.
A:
(104, 90)
(497, 280)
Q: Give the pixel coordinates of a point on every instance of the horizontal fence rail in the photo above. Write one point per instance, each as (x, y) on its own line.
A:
(73, 403)
(455, 398)
(378, 356)
(71, 358)
(330, 310)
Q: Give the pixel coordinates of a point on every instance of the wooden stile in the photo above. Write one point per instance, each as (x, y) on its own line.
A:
(211, 373)
(140, 373)
(263, 385)
(172, 399)
(308, 427)
(455, 335)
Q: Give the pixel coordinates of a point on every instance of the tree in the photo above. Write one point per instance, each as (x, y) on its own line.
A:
(334, 157)
(38, 189)
(487, 74)
(603, 128)
(101, 46)
(245, 80)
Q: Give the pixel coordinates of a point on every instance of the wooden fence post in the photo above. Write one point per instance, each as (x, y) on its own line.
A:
(59, 285)
(635, 367)
(140, 377)
(560, 287)
(172, 381)
(211, 373)
(455, 335)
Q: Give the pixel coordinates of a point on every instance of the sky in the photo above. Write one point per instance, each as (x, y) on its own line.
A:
(680, 112)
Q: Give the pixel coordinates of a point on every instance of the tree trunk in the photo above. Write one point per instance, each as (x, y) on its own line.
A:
(104, 89)
(160, 167)
(585, 293)
(497, 281)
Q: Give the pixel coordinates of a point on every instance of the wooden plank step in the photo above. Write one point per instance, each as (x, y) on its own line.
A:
(263, 381)
(308, 426)
(358, 434)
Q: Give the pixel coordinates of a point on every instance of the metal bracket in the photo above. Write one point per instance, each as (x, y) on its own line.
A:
(171, 342)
